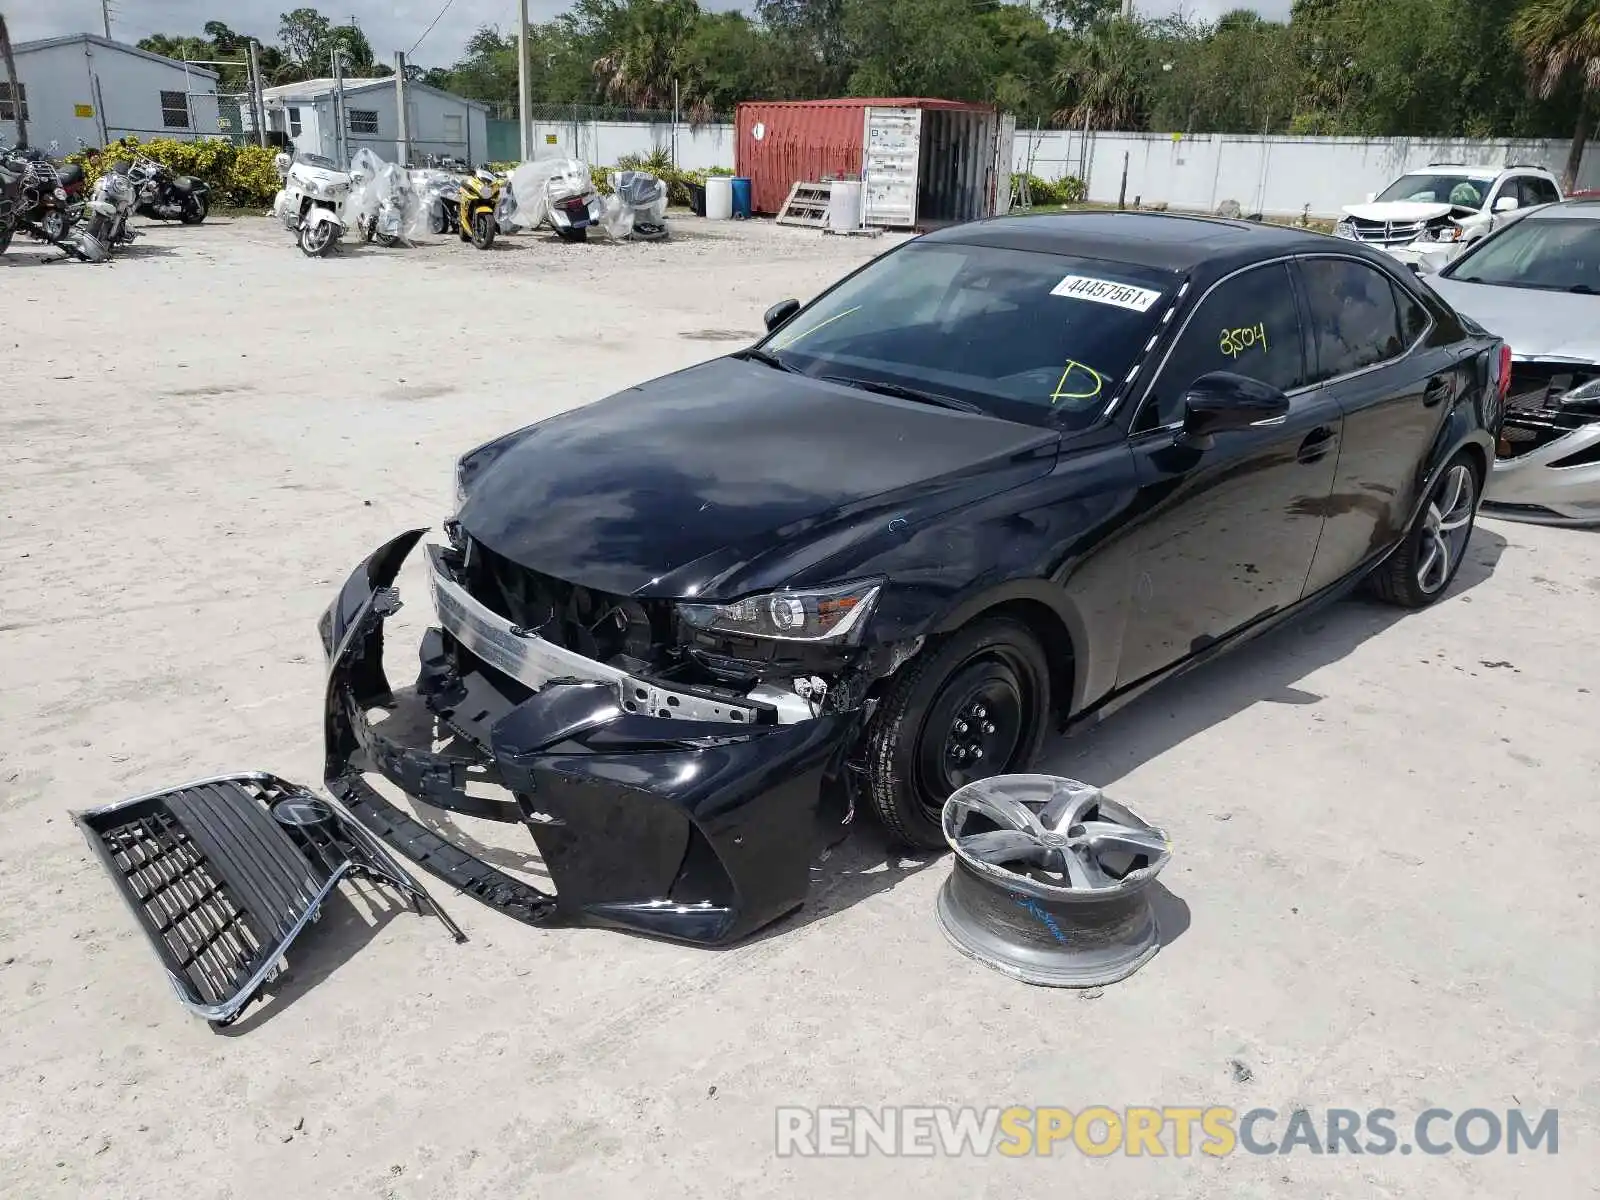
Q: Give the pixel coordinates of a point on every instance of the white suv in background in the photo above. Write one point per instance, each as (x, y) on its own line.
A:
(1428, 217)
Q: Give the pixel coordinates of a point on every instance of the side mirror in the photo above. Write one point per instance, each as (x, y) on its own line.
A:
(1506, 204)
(1222, 401)
(780, 313)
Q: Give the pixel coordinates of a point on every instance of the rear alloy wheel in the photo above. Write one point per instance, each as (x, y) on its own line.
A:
(1420, 571)
(972, 706)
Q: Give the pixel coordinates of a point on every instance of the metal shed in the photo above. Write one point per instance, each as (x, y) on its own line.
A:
(921, 161)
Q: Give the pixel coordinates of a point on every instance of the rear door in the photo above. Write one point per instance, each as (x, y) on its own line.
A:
(1371, 352)
(1229, 531)
(891, 159)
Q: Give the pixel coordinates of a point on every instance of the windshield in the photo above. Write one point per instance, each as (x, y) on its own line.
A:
(1553, 254)
(1464, 191)
(1033, 337)
(316, 160)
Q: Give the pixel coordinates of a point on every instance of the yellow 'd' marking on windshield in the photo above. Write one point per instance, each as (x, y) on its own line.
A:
(787, 342)
(1061, 393)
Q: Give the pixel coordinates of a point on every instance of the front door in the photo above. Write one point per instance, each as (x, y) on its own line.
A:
(1229, 532)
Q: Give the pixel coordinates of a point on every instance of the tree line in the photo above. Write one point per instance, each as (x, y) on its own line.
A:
(1433, 68)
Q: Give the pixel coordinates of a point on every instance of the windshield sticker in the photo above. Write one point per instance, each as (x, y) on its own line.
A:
(1086, 387)
(1106, 291)
(1236, 341)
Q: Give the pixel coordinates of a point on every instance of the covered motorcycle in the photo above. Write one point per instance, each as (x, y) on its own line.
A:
(637, 207)
(383, 206)
(559, 192)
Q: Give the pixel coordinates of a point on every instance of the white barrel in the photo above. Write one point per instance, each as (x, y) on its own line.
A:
(719, 198)
(844, 205)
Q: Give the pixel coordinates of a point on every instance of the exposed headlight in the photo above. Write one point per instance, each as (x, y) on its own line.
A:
(1344, 228)
(1586, 393)
(833, 614)
(1444, 233)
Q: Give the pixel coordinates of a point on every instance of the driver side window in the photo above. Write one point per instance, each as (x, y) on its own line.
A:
(1249, 325)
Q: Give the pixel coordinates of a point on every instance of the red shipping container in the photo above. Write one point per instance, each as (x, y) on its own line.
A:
(805, 140)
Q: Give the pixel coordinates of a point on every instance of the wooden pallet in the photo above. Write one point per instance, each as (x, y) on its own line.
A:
(807, 205)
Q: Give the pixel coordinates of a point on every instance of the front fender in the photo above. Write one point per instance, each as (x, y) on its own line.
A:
(317, 215)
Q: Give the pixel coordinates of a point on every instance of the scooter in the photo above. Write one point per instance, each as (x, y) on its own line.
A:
(312, 201)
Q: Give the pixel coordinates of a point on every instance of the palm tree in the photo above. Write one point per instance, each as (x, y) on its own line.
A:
(1103, 76)
(1560, 41)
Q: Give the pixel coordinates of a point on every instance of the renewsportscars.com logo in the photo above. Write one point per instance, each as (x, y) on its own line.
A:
(1168, 1131)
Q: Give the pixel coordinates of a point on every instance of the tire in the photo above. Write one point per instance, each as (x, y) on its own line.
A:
(984, 687)
(5, 237)
(439, 220)
(195, 211)
(318, 240)
(1413, 576)
(573, 235)
(55, 225)
(388, 240)
(483, 229)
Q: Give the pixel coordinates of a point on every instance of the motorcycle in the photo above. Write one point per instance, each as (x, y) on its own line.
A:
(476, 219)
(559, 192)
(637, 207)
(311, 203)
(105, 224)
(440, 196)
(382, 201)
(163, 196)
(37, 196)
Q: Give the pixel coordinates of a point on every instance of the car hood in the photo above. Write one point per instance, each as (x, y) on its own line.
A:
(1401, 212)
(722, 462)
(1535, 324)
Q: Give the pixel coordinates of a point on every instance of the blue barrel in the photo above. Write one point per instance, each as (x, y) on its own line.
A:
(741, 198)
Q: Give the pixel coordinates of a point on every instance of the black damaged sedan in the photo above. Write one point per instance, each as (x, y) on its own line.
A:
(996, 482)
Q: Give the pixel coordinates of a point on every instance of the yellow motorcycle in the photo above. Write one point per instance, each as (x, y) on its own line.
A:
(480, 193)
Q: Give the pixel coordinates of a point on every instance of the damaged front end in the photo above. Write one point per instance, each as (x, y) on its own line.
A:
(676, 782)
(1547, 468)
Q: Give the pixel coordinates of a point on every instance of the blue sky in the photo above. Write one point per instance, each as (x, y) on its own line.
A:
(394, 25)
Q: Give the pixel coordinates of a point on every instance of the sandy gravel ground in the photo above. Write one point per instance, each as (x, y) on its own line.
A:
(1383, 824)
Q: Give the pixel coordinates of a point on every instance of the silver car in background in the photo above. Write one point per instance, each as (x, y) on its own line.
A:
(1536, 283)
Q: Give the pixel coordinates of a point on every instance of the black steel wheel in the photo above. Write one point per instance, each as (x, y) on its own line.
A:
(973, 705)
(1421, 570)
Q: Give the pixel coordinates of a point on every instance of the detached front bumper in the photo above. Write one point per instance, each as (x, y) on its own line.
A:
(693, 829)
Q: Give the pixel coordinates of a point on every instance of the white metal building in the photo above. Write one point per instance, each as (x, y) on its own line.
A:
(440, 123)
(83, 86)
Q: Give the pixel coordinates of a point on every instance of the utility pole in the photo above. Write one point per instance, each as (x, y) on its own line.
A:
(340, 147)
(105, 17)
(524, 129)
(258, 102)
(403, 146)
(16, 88)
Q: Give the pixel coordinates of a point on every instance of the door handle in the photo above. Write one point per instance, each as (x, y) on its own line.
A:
(1439, 388)
(1316, 444)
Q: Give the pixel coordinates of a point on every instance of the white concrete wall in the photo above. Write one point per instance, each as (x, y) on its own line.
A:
(603, 142)
(1275, 175)
(57, 79)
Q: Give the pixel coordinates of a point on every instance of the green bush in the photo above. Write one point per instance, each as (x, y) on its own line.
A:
(242, 175)
(1070, 190)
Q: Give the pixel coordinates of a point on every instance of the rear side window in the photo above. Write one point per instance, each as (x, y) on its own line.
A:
(1413, 316)
(1355, 322)
(1249, 325)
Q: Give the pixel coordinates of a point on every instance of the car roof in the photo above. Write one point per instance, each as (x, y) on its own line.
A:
(1159, 241)
(1583, 208)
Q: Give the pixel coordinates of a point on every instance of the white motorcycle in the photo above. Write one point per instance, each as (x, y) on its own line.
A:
(105, 217)
(312, 202)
